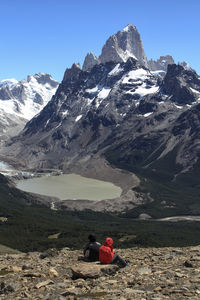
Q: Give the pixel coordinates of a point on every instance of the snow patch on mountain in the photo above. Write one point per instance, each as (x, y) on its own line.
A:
(115, 71)
(139, 74)
(78, 118)
(26, 98)
(22, 100)
(104, 93)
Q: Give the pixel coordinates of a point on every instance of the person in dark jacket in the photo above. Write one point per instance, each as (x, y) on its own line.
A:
(91, 250)
(108, 256)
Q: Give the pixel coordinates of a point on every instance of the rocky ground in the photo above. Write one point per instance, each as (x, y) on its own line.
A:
(152, 273)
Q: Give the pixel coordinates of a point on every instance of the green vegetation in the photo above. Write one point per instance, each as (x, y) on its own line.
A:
(29, 226)
(174, 193)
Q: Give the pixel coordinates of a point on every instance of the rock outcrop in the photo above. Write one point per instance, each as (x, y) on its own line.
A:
(118, 48)
(161, 63)
(181, 84)
(122, 45)
(90, 61)
(152, 273)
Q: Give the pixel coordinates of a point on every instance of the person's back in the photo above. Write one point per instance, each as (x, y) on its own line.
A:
(108, 256)
(106, 252)
(91, 250)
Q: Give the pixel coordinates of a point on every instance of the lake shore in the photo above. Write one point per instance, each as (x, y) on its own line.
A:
(95, 168)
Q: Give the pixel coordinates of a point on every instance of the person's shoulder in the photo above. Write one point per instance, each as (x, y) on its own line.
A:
(87, 245)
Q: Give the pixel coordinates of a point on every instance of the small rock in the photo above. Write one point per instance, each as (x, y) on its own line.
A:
(144, 216)
(144, 271)
(80, 283)
(158, 289)
(168, 256)
(25, 267)
(178, 252)
(71, 291)
(49, 253)
(32, 275)
(44, 283)
(9, 288)
(188, 264)
(111, 281)
(135, 291)
(179, 275)
(60, 298)
(27, 295)
(53, 273)
(2, 285)
(16, 269)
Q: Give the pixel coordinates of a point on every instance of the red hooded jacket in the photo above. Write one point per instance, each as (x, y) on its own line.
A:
(106, 251)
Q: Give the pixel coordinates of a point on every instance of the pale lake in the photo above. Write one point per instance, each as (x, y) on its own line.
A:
(70, 186)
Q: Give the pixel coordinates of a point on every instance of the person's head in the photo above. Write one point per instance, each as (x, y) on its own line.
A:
(108, 242)
(92, 237)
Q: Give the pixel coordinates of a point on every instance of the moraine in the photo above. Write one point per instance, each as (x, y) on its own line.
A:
(70, 186)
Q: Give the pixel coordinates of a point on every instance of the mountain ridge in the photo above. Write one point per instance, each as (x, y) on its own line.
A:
(21, 100)
(121, 112)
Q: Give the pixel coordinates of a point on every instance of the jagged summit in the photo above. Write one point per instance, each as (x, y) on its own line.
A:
(129, 27)
(90, 61)
(161, 63)
(72, 73)
(43, 78)
(124, 44)
(118, 48)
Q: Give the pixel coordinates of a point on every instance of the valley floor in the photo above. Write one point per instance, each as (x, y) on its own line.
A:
(152, 273)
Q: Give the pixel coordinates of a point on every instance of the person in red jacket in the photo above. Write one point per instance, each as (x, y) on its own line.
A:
(108, 256)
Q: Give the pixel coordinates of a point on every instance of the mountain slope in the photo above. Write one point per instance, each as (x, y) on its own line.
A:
(122, 112)
(21, 100)
(90, 108)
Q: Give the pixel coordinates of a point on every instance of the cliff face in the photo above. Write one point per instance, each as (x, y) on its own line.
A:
(152, 273)
(118, 48)
(122, 45)
(161, 63)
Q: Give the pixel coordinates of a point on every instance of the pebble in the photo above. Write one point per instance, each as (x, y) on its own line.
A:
(152, 274)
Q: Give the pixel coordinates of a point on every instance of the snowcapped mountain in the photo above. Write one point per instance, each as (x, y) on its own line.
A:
(124, 44)
(90, 109)
(21, 100)
(123, 113)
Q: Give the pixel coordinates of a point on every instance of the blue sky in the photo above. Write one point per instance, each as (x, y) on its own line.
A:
(49, 35)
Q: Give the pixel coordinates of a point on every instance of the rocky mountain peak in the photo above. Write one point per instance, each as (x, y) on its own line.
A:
(161, 63)
(21, 100)
(129, 27)
(118, 48)
(43, 78)
(90, 61)
(72, 73)
(125, 43)
(185, 65)
(183, 85)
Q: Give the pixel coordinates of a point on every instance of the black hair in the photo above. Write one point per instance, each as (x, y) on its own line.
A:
(92, 237)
